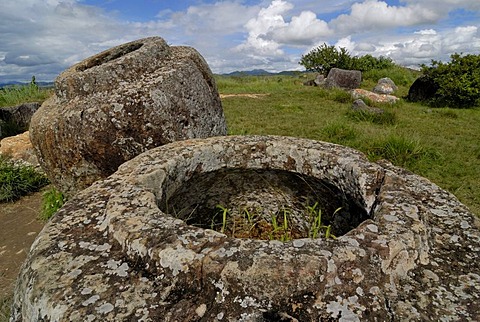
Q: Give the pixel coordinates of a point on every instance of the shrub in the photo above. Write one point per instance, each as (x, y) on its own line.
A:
(368, 62)
(458, 81)
(323, 58)
(52, 201)
(18, 180)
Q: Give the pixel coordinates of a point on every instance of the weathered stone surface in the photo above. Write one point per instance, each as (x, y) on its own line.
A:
(385, 86)
(348, 79)
(18, 117)
(115, 253)
(359, 105)
(117, 104)
(318, 81)
(423, 89)
(19, 148)
(359, 93)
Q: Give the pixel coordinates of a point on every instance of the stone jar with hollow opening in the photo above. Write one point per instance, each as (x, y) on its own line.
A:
(145, 245)
(119, 103)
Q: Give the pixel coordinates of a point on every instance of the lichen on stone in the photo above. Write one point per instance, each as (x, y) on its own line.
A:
(115, 252)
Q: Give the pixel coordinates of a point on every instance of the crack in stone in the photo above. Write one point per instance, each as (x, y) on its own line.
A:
(380, 182)
(390, 312)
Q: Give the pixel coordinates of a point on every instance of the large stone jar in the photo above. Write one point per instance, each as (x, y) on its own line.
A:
(119, 103)
(143, 245)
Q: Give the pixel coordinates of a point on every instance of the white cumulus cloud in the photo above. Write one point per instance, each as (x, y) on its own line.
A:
(44, 37)
(374, 14)
(303, 29)
(269, 30)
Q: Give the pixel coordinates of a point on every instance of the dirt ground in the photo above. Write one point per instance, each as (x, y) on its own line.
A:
(19, 225)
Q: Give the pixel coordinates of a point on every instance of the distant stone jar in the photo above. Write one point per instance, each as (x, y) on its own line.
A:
(141, 245)
(119, 103)
(343, 78)
(385, 86)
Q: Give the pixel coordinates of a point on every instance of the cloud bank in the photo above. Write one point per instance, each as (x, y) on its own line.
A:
(44, 37)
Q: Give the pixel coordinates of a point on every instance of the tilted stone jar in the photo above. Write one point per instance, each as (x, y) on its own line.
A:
(115, 105)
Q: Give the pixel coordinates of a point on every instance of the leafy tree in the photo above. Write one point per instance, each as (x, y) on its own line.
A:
(458, 81)
(324, 57)
(368, 62)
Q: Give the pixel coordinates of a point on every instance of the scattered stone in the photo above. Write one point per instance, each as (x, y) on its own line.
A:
(119, 103)
(378, 98)
(360, 106)
(385, 86)
(117, 251)
(342, 78)
(19, 148)
(423, 89)
(310, 82)
(17, 117)
(319, 80)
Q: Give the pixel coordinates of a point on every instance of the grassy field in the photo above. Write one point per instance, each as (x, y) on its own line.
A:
(442, 145)
(14, 95)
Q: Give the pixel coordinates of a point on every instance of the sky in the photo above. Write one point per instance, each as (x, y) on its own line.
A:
(45, 37)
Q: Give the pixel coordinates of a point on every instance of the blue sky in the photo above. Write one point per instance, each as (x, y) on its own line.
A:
(44, 37)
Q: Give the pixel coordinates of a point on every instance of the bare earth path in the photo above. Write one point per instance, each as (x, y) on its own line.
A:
(19, 225)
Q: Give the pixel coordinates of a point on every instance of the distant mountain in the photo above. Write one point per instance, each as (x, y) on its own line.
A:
(261, 72)
(15, 83)
(11, 83)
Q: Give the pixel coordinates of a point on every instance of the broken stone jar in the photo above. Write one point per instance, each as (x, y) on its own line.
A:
(221, 229)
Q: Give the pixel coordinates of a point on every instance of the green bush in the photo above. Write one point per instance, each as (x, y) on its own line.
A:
(368, 62)
(458, 81)
(18, 180)
(52, 201)
(323, 58)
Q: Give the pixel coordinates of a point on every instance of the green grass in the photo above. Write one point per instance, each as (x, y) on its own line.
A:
(52, 201)
(280, 225)
(5, 304)
(386, 118)
(18, 180)
(439, 144)
(14, 95)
